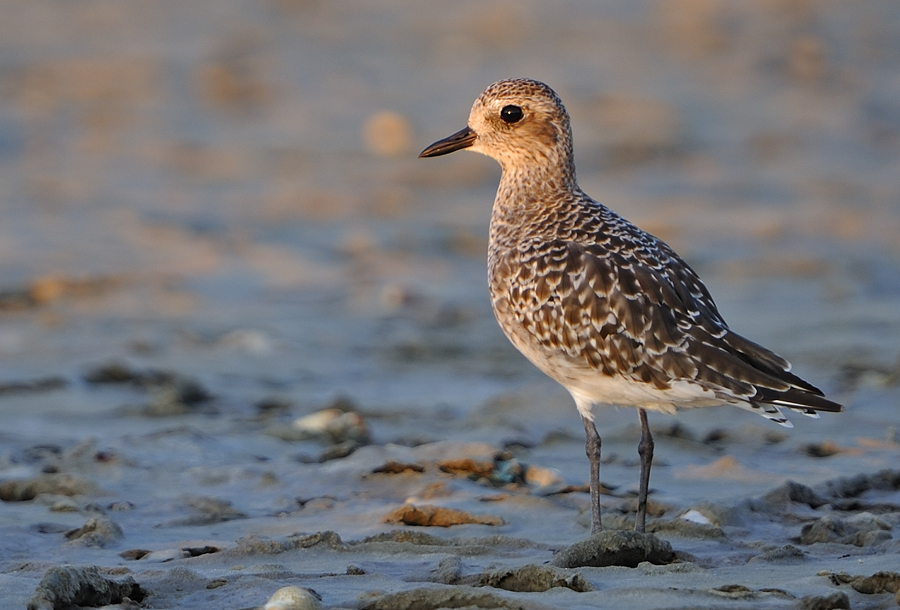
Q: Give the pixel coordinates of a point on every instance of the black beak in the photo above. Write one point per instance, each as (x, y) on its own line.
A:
(463, 138)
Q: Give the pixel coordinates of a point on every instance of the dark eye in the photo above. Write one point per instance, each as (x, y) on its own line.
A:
(511, 114)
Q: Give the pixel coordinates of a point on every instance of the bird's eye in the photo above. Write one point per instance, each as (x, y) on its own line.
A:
(511, 114)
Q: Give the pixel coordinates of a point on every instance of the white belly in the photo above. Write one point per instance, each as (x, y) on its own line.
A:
(589, 386)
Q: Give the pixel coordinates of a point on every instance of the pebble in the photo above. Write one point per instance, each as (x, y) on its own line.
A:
(880, 582)
(784, 554)
(179, 396)
(615, 548)
(862, 529)
(162, 556)
(96, 532)
(294, 598)
(332, 424)
(437, 516)
(21, 490)
(533, 579)
(835, 601)
(66, 586)
(696, 516)
(541, 476)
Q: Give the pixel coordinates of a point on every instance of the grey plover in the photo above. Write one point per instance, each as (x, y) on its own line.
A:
(609, 311)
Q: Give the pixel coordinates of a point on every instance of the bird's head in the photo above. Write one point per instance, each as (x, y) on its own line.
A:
(519, 122)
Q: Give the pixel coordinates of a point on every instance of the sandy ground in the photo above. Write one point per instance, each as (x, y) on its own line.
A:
(214, 223)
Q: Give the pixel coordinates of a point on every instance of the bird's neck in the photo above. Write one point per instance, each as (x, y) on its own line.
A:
(529, 202)
(529, 188)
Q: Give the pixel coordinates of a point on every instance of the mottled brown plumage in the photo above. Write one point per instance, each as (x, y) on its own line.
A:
(606, 309)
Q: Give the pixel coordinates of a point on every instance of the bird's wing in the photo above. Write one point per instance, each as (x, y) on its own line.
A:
(641, 313)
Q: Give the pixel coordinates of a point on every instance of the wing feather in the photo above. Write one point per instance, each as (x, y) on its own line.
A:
(641, 313)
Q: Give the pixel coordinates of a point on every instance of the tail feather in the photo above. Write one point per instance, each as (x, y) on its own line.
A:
(798, 400)
(769, 403)
(770, 412)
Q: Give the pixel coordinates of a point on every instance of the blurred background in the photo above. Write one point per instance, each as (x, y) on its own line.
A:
(229, 189)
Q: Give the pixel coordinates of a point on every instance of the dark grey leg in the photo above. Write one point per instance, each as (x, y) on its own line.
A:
(645, 450)
(592, 449)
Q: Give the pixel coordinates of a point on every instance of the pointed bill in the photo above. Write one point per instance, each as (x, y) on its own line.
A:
(464, 138)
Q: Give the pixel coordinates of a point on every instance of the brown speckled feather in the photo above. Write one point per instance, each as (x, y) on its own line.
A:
(632, 309)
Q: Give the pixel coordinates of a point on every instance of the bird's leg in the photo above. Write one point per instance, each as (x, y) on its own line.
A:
(645, 450)
(592, 449)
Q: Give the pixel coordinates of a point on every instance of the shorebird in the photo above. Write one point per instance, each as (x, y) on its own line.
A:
(607, 310)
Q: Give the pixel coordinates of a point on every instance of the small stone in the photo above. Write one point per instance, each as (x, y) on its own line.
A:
(294, 598)
(22, 490)
(254, 545)
(178, 396)
(880, 582)
(534, 579)
(98, 532)
(835, 601)
(394, 467)
(863, 529)
(196, 551)
(338, 451)
(64, 587)
(686, 528)
(207, 510)
(134, 554)
(406, 537)
(436, 516)
(544, 478)
(615, 548)
(332, 425)
(467, 467)
(734, 591)
(791, 491)
(696, 516)
(784, 554)
(163, 556)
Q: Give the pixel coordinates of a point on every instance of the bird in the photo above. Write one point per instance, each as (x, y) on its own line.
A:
(606, 309)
